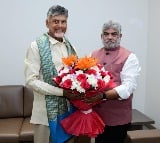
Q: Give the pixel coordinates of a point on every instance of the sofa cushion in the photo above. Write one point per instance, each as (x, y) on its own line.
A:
(9, 130)
(28, 102)
(11, 101)
(26, 133)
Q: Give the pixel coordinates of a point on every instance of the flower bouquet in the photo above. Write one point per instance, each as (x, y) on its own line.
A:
(86, 76)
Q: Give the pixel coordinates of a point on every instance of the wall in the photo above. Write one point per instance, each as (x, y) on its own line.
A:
(23, 21)
(153, 69)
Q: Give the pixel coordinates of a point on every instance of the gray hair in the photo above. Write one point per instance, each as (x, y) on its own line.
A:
(112, 24)
(57, 10)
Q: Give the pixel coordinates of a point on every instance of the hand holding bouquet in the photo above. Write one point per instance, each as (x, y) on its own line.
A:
(83, 75)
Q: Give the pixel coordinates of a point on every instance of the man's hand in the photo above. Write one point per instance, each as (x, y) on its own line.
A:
(72, 95)
(94, 99)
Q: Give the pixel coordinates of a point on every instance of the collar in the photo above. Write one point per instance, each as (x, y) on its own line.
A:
(112, 49)
(54, 41)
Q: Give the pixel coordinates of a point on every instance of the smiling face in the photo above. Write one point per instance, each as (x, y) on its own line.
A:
(57, 26)
(111, 38)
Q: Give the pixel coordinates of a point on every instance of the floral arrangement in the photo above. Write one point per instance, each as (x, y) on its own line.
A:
(82, 74)
(86, 76)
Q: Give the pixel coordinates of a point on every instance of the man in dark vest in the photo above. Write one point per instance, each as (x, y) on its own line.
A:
(116, 110)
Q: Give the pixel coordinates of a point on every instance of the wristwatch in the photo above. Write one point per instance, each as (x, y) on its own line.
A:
(104, 97)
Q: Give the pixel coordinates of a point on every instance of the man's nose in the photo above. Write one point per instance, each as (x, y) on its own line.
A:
(110, 36)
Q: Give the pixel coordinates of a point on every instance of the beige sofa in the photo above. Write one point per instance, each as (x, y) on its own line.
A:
(15, 111)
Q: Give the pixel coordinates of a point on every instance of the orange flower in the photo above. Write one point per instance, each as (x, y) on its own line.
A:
(86, 63)
(83, 63)
(70, 61)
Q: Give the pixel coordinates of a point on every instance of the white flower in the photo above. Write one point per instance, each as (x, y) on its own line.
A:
(79, 72)
(106, 78)
(95, 68)
(92, 80)
(76, 85)
(103, 69)
(68, 76)
(80, 89)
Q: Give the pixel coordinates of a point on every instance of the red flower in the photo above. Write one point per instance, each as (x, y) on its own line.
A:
(85, 84)
(103, 73)
(57, 79)
(72, 71)
(101, 84)
(81, 77)
(91, 71)
(63, 74)
(67, 84)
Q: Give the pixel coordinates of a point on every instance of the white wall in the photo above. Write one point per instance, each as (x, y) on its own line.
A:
(22, 21)
(153, 69)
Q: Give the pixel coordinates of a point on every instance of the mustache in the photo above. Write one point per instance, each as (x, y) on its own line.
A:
(109, 44)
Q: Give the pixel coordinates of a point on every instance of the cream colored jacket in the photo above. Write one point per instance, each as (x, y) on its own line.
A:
(34, 78)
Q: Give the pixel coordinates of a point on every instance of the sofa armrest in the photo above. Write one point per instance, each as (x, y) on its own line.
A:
(28, 102)
(144, 136)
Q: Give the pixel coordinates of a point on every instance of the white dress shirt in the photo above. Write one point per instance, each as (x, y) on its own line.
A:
(128, 75)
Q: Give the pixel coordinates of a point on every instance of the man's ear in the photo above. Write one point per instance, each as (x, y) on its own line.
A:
(47, 23)
(120, 35)
(101, 36)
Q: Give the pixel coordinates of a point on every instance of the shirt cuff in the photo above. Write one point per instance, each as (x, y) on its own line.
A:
(123, 94)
